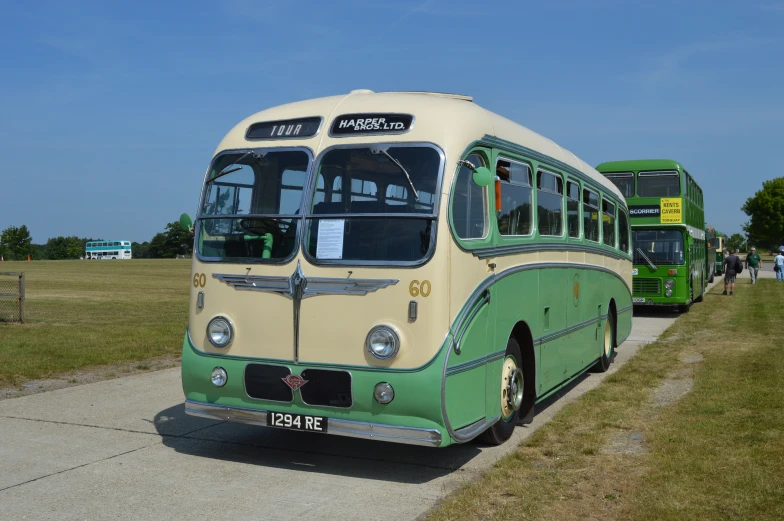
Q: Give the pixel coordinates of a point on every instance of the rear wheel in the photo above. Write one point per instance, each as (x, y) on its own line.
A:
(511, 396)
(713, 273)
(608, 345)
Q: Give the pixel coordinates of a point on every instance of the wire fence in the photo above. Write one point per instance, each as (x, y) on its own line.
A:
(12, 297)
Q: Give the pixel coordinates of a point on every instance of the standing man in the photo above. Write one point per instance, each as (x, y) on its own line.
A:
(778, 265)
(753, 264)
(731, 262)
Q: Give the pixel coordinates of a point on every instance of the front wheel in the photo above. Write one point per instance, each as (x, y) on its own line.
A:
(511, 396)
(608, 346)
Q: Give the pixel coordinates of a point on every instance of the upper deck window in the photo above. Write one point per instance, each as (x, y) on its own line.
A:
(374, 207)
(658, 184)
(624, 181)
(251, 205)
(516, 186)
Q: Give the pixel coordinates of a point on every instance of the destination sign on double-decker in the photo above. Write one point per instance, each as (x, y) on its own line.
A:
(284, 129)
(353, 124)
(648, 210)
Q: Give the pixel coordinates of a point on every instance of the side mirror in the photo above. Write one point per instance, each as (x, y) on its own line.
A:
(186, 223)
(482, 176)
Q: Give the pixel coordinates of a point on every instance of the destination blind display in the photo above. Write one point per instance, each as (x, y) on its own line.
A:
(648, 210)
(356, 124)
(284, 129)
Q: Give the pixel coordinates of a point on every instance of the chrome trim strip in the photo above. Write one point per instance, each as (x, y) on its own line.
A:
(624, 310)
(350, 428)
(473, 364)
(498, 251)
(478, 427)
(567, 331)
(474, 313)
(298, 287)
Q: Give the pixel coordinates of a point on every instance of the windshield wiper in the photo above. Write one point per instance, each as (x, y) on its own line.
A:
(653, 266)
(229, 170)
(377, 150)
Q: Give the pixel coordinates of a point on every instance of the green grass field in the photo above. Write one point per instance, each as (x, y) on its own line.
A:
(691, 428)
(90, 313)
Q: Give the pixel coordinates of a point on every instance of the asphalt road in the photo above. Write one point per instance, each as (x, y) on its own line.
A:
(124, 449)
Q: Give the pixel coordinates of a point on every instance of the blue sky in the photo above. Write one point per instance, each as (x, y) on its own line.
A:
(110, 112)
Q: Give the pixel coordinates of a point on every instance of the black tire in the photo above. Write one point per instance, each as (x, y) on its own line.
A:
(503, 429)
(608, 345)
(713, 273)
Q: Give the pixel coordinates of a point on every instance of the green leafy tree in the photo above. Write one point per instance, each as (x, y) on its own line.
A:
(766, 210)
(736, 242)
(141, 250)
(16, 243)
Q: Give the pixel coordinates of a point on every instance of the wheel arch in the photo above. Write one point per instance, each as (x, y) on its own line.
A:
(612, 309)
(522, 333)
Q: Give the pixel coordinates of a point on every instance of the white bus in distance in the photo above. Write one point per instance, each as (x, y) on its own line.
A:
(108, 250)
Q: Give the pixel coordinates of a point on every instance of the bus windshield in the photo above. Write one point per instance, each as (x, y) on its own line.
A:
(364, 209)
(251, 205)
(660, 246)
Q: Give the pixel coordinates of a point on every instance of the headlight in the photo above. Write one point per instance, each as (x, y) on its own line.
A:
(668, 292)
(383, 393)
(382, 342)
(220, 332)
(219, 377)
(669, 283)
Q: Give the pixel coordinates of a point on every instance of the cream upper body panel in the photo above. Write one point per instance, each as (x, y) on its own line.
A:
(449, 122)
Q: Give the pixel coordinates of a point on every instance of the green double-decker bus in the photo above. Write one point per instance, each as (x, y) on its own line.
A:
(667, 217)
(718, 242)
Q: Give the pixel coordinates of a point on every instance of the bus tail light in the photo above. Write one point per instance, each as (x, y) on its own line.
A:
(673, 272)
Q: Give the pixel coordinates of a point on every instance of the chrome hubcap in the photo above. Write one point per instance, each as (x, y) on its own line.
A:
(511, 388)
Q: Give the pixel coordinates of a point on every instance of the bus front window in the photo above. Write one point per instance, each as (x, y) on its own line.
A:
(660, 246)
(364, 209)
(251, 205)
(624, 181)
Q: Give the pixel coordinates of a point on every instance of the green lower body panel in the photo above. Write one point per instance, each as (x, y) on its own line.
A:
(414, 416)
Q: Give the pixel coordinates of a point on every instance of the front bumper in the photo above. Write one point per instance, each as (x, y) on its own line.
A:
(352, 429)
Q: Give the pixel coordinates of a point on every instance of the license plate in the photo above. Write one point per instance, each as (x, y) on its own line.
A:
(638, 300)
(299, 422)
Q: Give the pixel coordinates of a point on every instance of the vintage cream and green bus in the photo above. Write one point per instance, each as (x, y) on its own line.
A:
(406, 267)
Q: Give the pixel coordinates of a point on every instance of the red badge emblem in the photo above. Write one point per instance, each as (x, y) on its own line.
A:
(294, 381)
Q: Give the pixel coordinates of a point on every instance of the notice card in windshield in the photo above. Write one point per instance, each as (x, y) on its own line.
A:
(330, 239)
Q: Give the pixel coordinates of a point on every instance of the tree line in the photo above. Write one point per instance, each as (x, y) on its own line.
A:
(16, 244)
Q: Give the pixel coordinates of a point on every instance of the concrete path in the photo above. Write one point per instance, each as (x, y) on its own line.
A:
(124, 449)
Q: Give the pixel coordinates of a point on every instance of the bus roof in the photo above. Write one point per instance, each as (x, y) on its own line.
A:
(452, 121)
(639, 164)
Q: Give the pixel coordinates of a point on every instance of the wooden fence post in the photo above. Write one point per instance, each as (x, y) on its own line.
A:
(22, 297)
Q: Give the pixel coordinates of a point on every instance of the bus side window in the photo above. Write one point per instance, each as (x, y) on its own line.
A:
(623, 231)
(469, 203)
(549, 201)
(591, 215)
(573, 209)
(515, 217)
(608, 223)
